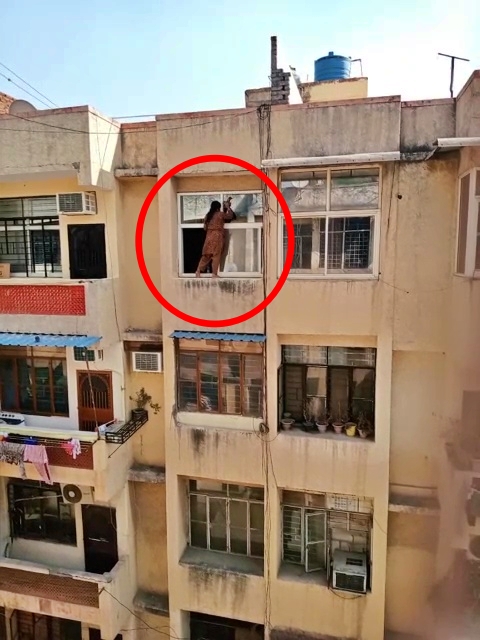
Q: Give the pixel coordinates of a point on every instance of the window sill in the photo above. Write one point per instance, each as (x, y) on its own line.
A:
(222, 562)
(329, 435)
(332, 276)
(221, 276)
(297, 573)
(204, 420)
(45, 540)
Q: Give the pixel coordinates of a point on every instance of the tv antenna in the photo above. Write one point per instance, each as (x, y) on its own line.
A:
(452, 68)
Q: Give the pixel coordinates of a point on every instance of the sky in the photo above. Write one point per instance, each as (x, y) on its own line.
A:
(162, 56)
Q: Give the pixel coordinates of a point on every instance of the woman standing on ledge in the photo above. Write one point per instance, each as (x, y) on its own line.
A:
(214, 225)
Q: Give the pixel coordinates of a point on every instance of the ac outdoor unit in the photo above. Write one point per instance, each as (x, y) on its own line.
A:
(350, 571)
(83, 203)
(147, 361)
(73, 494)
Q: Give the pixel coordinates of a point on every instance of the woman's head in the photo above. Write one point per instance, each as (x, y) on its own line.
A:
(214, 207)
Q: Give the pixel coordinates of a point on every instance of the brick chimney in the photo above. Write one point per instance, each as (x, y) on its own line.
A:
(280, 79)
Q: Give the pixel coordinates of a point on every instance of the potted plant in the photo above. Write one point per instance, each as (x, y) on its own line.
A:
(365, 429)
(141, 400)
(287, 421)
(308, 419)
(351, 427)
(322, 421)
(338, 421)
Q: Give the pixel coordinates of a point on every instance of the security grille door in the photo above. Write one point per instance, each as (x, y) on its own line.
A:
(315, 531)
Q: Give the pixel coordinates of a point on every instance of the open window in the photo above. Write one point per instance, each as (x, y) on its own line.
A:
(468, 227)
(242, 256)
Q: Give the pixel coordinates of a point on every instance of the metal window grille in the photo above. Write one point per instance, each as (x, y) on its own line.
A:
(30, 236)
(81, 354)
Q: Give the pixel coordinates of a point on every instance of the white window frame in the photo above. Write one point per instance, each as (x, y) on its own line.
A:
(228, 499)
(234, 225)
(472, 225)
(327, 214)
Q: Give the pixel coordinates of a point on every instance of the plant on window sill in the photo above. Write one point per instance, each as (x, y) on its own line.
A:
(141, 400)
(339, 420)
(365, 428)
(308, 417)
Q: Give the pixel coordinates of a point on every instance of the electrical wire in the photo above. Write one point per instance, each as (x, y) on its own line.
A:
(24, 90)
(27, 83)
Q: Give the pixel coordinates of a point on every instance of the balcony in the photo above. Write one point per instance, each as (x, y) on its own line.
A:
(94, 467)
(59, 306)
(96, 600)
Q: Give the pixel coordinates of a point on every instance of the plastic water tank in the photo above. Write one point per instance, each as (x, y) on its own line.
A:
(332, 67)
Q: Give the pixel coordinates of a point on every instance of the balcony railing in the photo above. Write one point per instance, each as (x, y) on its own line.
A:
(124, 431)
(31, 246)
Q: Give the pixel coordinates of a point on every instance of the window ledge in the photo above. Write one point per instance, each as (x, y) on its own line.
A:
(335, 276)
(329, 435)
(222, 276)
(297, 573)
(222, 562)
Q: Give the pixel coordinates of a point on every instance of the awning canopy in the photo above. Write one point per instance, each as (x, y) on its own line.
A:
(226, 337)
(46, 340)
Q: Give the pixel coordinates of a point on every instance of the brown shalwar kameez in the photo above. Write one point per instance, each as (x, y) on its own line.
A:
(215, 240)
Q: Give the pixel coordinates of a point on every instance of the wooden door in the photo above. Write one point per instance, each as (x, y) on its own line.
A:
(99, 538)
(95, 399)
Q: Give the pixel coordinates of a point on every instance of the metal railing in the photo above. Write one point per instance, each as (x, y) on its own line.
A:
(31, 245)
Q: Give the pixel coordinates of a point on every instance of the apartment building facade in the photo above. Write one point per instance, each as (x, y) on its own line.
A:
(233, 509)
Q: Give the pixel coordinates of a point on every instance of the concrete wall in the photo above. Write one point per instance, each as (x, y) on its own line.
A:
(333, 90)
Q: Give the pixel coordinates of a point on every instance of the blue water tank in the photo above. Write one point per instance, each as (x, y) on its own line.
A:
(332, 67)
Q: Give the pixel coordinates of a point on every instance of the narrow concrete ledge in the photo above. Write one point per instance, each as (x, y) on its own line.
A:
(280, 633)
(150, 602)
(393, 635)
(137, 172)
(419, 505)
(144, 473)
(216, 562)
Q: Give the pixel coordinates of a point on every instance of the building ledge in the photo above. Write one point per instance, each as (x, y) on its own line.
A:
(142, 335)
(394, 635)
(217, 562)
(137, 172)
(282, 633)
(150, 602)
(420, 505)
(148, 474)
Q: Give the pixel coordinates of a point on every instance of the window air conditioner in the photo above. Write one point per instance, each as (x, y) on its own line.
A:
(7, 417)
(147, 361)
(74, 494)
(83, 203)
(350, 571)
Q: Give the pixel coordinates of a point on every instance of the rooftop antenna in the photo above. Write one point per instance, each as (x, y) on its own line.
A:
(452, 68)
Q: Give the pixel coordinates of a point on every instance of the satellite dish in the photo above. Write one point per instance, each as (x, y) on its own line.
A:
(21, 106)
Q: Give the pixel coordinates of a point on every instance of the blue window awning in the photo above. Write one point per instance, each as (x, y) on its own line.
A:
(226, 337)
(46, 340)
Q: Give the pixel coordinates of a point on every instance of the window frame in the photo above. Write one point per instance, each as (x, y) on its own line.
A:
(48, 360)
(473, 224)
(237, 225)
(329, 525)
(304, 366)
(328, 214)
(228, 500)
(46, 224)
(17, 529)
(198, 351)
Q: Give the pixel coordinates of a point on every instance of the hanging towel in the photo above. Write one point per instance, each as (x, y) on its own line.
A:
(37, 455)
(13, 453)
(73, 448)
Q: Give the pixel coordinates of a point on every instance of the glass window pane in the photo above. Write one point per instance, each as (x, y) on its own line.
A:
(198, 534)
(256, 543)
(304, 354)
(351, 356)
(363, 394)
(198, 508)
(305, 192)
(252, 385)
(60, 386)
(354, 189)
(248, 207)
(25, 389)
(209, 486)
(350, 246)
(339, 387)
(316, 381)
(194, 208)
(257, 516)
(8, 385)
(42, 385)
(292, 535)
(309, 253)
(238, 540)
(218, 524)
(187, 382)
(241, 252)
(238, 514)
(231, 395)
(208, 365)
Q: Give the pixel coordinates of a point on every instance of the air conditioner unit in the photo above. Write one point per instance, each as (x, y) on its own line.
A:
(7, 417)
(147, 361)
(83, 203)
(73, 494)
(349, 571)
